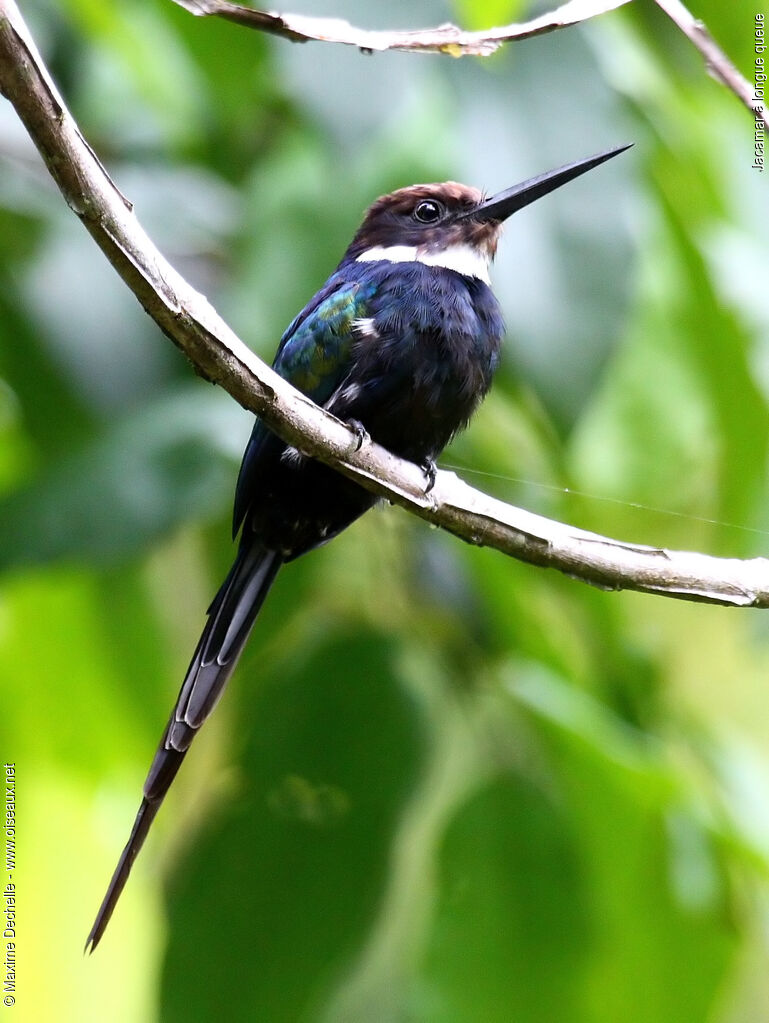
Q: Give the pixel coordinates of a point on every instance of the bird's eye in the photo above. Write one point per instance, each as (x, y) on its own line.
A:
(428, 211)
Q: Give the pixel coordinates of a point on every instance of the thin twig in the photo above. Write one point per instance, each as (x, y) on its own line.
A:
(449, 39)
(716, 61)
(455, 42)
(192, 324)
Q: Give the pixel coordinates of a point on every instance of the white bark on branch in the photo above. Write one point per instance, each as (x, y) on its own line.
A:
(193, 325)
(447, 38)
(451, 40)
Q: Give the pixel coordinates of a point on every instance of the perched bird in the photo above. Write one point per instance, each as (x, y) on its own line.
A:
(402, 341)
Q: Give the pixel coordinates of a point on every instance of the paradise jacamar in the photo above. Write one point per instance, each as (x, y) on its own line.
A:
(402, 341)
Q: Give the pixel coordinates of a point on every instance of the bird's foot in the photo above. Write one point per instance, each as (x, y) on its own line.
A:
(362, 435)
(430, 469)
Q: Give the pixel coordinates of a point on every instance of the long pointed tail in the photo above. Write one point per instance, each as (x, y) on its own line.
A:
(230, 619)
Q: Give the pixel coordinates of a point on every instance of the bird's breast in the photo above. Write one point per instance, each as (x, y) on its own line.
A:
(423, 357)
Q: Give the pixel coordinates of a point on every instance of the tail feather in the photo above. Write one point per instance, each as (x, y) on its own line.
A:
(230, 620)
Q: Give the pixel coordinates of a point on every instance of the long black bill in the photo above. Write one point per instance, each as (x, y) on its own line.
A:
(501, 206)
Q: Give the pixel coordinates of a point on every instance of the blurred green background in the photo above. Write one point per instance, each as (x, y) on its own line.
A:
(443, 786)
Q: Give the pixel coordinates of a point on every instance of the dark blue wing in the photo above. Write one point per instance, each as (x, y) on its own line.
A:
(313, 355)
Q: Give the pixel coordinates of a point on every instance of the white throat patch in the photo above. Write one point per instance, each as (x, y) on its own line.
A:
(463, 259)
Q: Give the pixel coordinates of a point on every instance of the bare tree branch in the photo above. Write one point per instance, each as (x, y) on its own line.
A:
(193, 325)
(716, 61)
(455, 42)
(449, 39)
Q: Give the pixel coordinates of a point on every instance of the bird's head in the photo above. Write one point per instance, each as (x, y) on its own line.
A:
(450, 224)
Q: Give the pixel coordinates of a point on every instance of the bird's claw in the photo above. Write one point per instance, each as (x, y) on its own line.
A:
(430, 469)
(362, 435)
